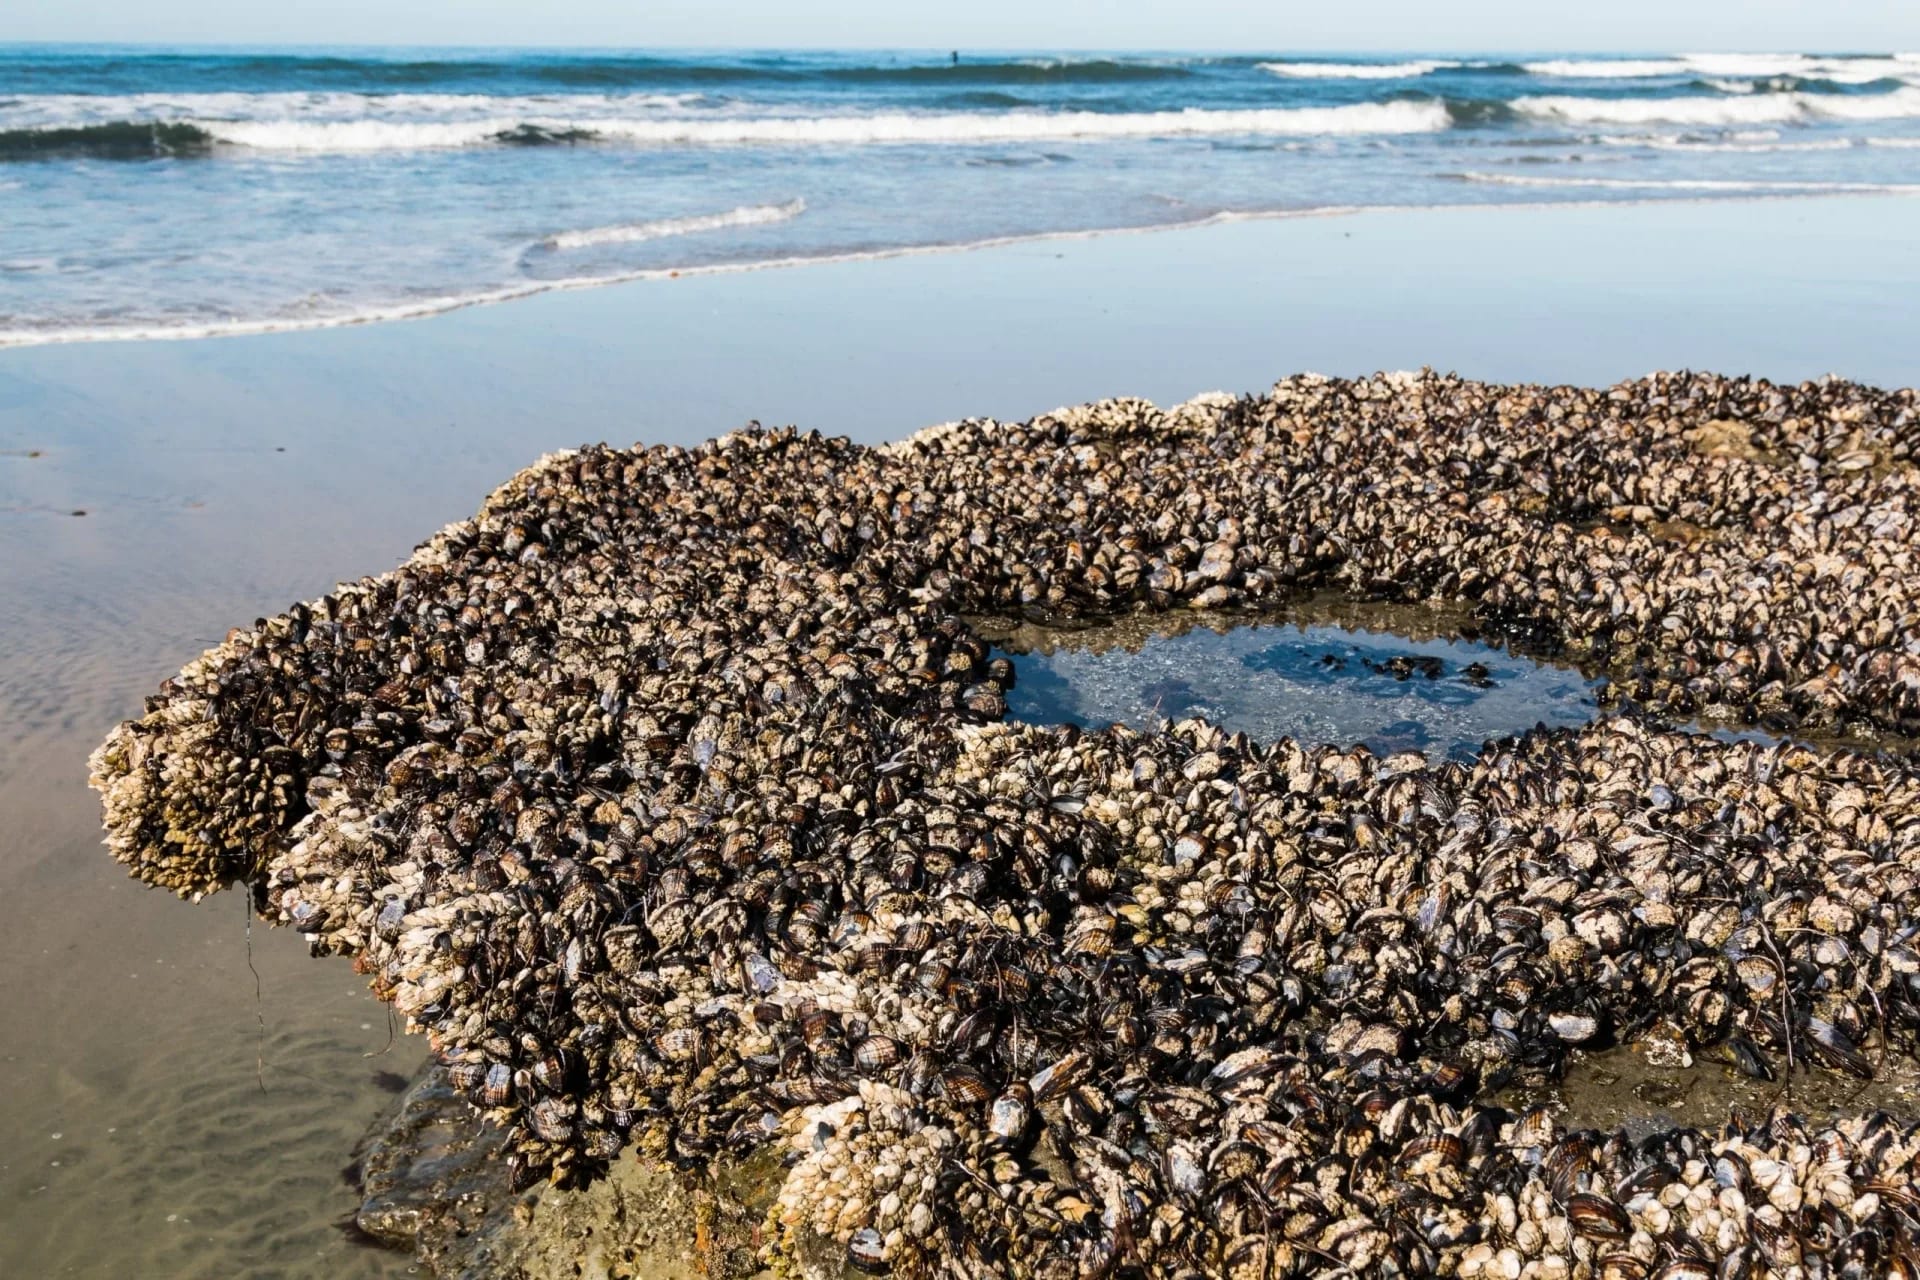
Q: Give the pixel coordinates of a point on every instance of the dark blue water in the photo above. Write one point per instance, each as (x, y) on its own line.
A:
(195, 192)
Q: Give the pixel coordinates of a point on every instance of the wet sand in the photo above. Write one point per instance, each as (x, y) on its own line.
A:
(222, 479)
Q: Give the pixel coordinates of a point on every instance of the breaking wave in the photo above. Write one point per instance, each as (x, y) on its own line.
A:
(118, 140)
(1769, 108)
(751, 215)
(1860, 70)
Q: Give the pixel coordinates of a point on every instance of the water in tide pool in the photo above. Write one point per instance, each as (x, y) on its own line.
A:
(186, 193)
(1395, 678)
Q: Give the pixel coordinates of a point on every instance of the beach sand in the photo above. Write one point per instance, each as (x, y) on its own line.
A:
(222, 479)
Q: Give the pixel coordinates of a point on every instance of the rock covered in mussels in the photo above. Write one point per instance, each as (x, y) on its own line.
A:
(668, 797)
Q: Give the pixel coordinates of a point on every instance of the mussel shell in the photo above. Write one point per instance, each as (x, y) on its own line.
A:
(867, 1252)
(964, 1085)
(876, 1053)
(497, 1090)
(1010, 1114)
(1597, 1217)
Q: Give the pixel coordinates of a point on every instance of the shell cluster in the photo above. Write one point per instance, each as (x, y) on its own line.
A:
(670, 797)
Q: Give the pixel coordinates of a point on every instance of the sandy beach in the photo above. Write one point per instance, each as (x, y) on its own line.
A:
(160, 1119)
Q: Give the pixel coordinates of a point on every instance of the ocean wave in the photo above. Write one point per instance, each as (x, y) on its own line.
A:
(1857, 70)
(1354, 70)
(750, 215)
(1607, 68)
(1016, 126)
(320, 136)
(1688, 184)
(148, 140)
(1771, 108)
(64, 110)
(1019, 71)
(1899, 104)
(391, 135)
(119, 140)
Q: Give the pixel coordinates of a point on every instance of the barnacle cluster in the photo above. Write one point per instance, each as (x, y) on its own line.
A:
(670, 796)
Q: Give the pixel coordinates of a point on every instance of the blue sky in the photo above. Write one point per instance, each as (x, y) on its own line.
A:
(1277, 25)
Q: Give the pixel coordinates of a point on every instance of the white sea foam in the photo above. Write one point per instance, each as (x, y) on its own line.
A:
(1353, 70)
(1818, 144)
(849, 130)
(1841, 70)
(1606, 68)
(1758, 148)
(1907, 143)
(1741, 141)
(1899, 104)
(355, 135)
(751, 215)
(1769, 108)
(1690, 184)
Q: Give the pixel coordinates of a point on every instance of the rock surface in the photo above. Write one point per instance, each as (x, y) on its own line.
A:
(436, 1182)
(671, 797)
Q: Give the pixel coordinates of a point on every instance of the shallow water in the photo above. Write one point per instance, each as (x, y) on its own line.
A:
(1393, 677)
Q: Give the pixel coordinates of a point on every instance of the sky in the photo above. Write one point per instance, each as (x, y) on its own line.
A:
(1272, 26)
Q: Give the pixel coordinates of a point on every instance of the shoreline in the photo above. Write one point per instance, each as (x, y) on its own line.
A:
(1731, 192)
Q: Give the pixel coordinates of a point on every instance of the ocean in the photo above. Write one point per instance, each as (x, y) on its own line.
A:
(155, 192)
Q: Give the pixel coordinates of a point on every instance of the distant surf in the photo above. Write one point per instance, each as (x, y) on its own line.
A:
(1854, 70)
(1353, 70)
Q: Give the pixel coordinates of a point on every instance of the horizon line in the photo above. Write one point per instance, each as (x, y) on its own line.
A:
(945, 49)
